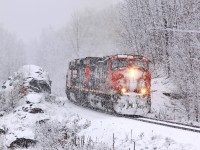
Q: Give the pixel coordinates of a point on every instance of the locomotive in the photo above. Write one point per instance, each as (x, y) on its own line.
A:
(118, 83)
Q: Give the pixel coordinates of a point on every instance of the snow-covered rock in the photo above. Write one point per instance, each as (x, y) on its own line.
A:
(23, 92)
(22, 143)
(2, 113)
(2, 131)
(29, 78)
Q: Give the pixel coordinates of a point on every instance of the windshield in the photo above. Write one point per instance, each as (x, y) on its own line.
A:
(120, 64)
(139, 64)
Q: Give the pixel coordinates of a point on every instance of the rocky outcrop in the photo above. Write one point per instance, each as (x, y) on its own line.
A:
(39, 86)
(2, 131)
(36, 110)
(22, 143)
(27, 79)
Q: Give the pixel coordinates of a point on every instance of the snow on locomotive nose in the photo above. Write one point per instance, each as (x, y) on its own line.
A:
(118, 83)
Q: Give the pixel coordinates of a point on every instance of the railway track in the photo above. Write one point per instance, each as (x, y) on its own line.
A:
(170, 124)
(164, 123)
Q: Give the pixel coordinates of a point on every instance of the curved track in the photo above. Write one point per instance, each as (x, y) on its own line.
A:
(166, 123)
(170, 124)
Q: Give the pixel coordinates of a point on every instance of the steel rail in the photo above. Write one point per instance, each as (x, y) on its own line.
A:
(164, 123)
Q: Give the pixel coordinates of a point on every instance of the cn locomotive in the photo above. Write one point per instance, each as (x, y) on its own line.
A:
(118, 83)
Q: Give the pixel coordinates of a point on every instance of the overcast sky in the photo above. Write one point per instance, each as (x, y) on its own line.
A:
(26, 18)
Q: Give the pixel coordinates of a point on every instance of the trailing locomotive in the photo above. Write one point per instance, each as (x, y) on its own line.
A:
(118, 83)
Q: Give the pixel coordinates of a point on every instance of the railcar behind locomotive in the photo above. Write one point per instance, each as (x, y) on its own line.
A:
(118, 83)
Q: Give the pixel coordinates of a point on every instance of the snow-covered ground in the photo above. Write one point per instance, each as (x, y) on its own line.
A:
(158, 87)
(146, 135)
(24, 120)
(101, 127)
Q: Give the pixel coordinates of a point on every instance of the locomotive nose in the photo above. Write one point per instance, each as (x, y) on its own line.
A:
(134, 76)
(131, 80)
(134, 73)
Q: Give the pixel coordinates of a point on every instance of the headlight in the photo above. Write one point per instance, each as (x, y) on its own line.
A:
(143, 91)
(123, 90)
(132, 72)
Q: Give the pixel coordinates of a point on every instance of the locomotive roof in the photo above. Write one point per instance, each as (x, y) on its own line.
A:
(129, 56)
(119, 56)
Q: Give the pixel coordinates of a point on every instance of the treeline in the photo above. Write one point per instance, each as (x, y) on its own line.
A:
(167, 31)
(12, 54)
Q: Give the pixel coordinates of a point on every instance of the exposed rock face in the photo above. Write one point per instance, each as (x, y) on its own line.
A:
(22, 143)
(42, 121)
(36, 110)
(29, 78)
(39, 86)
(2, 131)
(2, 113)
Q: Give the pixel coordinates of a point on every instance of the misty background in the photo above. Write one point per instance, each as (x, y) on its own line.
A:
(50, 33)
(41, 33)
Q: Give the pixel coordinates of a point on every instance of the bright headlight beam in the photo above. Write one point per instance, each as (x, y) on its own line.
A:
(123, 90)
(132, 72)
(143, 91)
